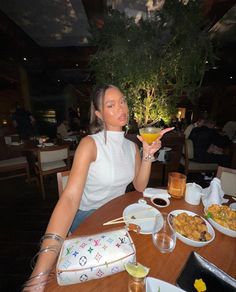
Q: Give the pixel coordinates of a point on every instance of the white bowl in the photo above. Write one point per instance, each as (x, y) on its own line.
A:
(220, 228)
(188, 241)
(167, 201)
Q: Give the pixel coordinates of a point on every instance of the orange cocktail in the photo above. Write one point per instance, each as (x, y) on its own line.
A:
(150, 134)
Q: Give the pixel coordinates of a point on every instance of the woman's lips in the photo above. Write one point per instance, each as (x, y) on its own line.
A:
(122, 118)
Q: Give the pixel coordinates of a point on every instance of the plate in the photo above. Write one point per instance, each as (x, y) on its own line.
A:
(155, 285)
(188, 241)
(220, 228)
(141, 211)
(198, 267)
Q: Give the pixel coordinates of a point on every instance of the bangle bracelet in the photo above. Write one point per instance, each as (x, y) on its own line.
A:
(52, 236)
(38, 285)
(53, 248)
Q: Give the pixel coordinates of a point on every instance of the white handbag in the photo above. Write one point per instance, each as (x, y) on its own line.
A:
(94, 256)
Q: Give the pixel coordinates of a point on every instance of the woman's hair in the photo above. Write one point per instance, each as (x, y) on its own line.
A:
(96, 124)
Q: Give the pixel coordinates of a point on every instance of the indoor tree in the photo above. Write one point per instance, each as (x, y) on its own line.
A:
(155, 60)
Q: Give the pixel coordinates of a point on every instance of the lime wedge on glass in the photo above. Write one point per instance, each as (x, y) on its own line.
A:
(137, 270)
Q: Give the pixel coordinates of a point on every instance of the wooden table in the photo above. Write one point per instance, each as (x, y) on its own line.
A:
(221, 252)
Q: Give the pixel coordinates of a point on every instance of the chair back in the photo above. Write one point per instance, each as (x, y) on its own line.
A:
(53, 154)
(192, 166)
(227, 177)
(62, 178)
(189, 150)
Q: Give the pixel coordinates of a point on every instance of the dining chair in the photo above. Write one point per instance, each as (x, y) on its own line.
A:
(62, 178)
(50, 161)
(227, 177)
(14, 167)
(191, 166)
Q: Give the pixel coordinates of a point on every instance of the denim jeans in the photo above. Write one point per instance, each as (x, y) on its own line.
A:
(80, 216)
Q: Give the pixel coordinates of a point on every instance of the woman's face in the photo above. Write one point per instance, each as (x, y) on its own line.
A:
(115, 110)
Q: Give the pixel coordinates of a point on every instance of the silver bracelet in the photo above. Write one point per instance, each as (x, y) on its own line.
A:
(38, 285)
(51, 236)
(53, 248)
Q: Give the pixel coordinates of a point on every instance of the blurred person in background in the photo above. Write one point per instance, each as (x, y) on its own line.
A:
(24, 122)
(209, 145)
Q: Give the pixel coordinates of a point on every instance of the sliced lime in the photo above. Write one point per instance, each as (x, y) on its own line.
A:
(137, 270)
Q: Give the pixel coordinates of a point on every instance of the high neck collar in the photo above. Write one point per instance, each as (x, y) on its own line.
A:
(117, 136)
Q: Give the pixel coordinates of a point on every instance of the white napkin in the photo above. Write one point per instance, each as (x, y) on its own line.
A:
(151, 192)
(213, 194)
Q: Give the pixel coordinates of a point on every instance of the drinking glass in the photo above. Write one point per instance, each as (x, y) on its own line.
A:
(149, 135)
(137, 274)
(163, 236)
(176, 184)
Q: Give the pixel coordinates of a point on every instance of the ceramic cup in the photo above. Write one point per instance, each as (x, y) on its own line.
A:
(193, 193)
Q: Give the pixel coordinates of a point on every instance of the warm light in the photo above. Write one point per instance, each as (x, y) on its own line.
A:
(230, 77)
(4, 122)
(214, 67)
(25, 59)
(58, 80)
(181, 113)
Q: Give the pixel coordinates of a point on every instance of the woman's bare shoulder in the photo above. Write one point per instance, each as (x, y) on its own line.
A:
(87, 146)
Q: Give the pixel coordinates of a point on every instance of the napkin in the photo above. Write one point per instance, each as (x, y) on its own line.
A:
(151, 192)
(213, 194)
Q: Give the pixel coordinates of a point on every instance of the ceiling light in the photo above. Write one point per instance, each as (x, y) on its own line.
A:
(25, 59)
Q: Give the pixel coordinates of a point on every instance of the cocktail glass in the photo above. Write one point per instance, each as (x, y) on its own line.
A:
(149, 135)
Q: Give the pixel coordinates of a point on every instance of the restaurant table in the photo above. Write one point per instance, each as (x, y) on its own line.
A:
(221, 251)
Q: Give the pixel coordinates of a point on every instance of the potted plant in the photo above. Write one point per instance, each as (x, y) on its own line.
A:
(155, 60)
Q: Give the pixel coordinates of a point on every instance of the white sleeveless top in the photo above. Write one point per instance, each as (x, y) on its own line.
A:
(111, 172)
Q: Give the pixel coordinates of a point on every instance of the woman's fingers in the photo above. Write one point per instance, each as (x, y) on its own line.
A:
(166, 130)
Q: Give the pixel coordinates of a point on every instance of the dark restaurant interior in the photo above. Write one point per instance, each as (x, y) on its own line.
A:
(45, 65)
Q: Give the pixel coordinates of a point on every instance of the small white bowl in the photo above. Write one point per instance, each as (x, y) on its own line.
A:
(188, 241)
(160, 201)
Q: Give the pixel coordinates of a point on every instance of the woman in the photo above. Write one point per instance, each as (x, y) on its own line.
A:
(104, 164)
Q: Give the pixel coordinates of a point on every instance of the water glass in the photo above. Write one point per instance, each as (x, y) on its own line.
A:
(163, 236)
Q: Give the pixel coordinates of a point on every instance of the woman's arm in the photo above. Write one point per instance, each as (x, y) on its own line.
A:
(65, 209)
(143, 167)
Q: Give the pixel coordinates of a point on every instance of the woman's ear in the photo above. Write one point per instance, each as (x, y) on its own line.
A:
(98, 114)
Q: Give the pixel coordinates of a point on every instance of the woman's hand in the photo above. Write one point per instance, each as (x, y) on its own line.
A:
(155, 146)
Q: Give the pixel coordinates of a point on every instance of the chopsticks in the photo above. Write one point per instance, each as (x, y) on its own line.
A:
(128, 218)
(125, 221)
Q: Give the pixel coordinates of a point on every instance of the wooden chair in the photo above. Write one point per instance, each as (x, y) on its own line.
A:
(227, 177)
(14, 167)
(62, 178)
(190, 165)
(51, 160)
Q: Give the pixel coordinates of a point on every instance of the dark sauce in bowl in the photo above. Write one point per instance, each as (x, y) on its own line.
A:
(159, 201)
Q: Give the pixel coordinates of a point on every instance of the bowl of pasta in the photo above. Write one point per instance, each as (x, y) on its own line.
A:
(191, 228)
(222, 218)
